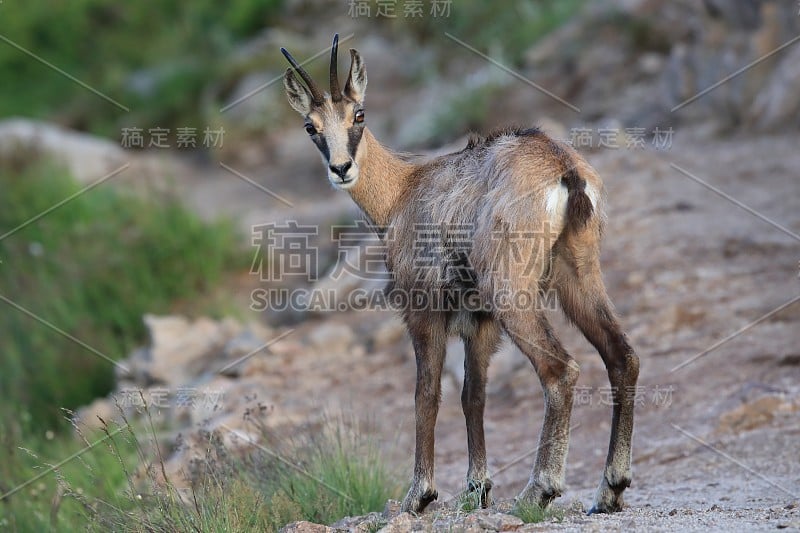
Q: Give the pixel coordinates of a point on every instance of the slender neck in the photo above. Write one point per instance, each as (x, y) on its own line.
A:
(382, 178)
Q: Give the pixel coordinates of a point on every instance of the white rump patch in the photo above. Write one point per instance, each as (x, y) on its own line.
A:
(556, 202)
(556, 205)
(591, 192)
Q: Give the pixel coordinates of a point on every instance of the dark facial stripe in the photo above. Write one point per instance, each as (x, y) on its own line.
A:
(354, 138)
(322, 144)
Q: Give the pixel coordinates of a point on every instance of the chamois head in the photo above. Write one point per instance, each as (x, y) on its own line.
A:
(335, 121)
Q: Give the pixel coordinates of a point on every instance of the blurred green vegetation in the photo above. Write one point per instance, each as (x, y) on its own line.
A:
(340, 474)
(465, 110)
(117, 484)
(68, 497)
(507, 28)
(155, 58)
(91, 268)
(173, 64)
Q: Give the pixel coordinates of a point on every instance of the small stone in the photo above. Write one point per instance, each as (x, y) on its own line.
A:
(305, 527)
(499, 522)
(391, 509)
(358, 523)
(403, 523)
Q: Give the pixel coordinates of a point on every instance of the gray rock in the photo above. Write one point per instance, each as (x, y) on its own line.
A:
(367, 522)
(87, 158)
(405, 522)
(242, 348)
(179, 348)
(305, 527)
(778, 104)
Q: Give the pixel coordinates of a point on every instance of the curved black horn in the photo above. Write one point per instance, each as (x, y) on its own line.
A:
(336, 93)
(316, 94)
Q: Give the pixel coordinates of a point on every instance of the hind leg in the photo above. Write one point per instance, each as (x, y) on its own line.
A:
(558, 373)
(478, 349)
(584, 300)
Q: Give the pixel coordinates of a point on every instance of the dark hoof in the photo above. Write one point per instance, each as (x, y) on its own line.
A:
(614, 506)
(417, 503)
(541, 499)
(428, 498)
(603, 510)
(609, 497)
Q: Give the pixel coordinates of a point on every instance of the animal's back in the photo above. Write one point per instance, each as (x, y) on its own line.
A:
(502, 198)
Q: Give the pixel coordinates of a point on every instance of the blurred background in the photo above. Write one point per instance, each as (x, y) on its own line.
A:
(144, 149)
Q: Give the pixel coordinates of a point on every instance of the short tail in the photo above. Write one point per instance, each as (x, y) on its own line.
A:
(579, 206)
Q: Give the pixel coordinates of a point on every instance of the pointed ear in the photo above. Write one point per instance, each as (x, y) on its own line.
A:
(357, 81)
(299, 96)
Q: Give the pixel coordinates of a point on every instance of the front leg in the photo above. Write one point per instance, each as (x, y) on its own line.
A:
(429, 336)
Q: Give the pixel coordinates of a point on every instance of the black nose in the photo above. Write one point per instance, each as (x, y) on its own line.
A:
(341, 170)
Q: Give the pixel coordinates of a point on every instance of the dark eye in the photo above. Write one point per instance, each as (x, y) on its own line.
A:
(310, 129)
(359, 118)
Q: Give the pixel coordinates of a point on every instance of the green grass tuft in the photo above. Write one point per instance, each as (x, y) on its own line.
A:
(321, 475)
(470, 500)
(531, 513)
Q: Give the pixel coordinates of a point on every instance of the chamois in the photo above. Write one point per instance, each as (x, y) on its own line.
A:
(514, 212)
